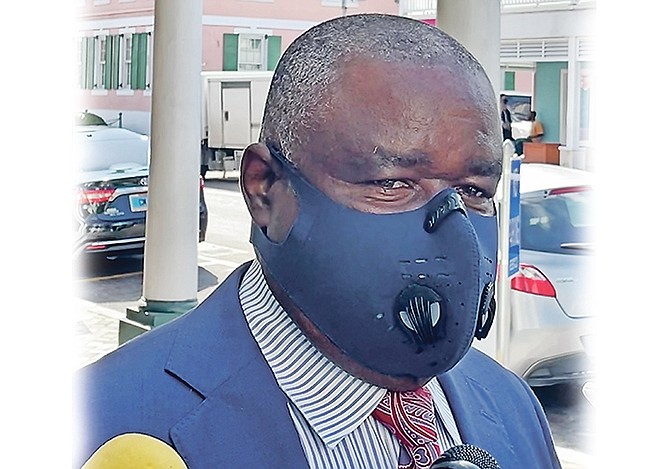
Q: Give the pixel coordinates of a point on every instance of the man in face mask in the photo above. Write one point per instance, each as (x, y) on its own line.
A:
(346, 343)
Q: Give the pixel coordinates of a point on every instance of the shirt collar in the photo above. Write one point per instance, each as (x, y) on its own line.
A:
(317, 387)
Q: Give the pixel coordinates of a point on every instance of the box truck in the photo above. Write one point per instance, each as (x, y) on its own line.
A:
(232, 112)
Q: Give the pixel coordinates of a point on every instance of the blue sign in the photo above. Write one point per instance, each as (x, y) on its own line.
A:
(514, 217)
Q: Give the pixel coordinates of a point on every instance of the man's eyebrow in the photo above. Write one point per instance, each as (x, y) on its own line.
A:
(485, 168)
(382, 158)
(409, 159)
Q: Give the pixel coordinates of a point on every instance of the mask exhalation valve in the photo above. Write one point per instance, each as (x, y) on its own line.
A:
(419, 309)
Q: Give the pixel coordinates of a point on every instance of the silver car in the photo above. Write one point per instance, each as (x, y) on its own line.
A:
(551, 310)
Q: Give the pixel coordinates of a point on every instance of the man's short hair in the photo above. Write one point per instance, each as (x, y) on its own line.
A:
(298, 95)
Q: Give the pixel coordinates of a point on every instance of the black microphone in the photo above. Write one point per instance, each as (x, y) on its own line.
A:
(465, 457)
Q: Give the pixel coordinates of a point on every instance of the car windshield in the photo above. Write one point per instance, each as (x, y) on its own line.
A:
(557, 221)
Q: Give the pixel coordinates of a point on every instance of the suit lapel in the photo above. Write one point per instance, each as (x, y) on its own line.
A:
(238, 426)
(476, 412)
(243, 420)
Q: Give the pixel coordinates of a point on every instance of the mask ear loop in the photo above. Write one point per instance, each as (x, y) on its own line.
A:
(487, 312)
(278, 155)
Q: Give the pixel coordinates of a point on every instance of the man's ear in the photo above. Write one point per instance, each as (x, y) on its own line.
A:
(256, 177)
(267, 192)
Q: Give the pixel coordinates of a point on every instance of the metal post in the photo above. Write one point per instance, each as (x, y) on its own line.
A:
(171, 250)
(503, 309)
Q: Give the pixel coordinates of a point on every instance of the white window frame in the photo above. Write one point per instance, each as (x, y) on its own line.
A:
(339, 3)
(563, 106)
(125, 62)
(344, 5)
(249, 35)
(80, 64)
(590, 76)
(150, 61)
(100, 61)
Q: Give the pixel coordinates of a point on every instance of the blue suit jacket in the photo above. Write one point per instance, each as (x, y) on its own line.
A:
(201, 384)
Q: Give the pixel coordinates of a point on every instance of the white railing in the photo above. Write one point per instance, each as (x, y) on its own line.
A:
(546, 4)
(417, 8)
(427, 8)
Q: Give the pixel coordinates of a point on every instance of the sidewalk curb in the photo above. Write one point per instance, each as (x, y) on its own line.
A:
(85, 305)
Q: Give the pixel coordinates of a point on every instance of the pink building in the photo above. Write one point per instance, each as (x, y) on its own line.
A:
(115, 45)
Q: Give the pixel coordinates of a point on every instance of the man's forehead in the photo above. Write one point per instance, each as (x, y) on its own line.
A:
(361, 63)
(364, 81)
(484, 163)
(399, 114)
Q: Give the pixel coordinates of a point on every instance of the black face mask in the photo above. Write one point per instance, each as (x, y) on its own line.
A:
(402, 294)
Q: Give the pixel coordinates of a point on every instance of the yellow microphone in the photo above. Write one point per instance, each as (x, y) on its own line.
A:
(135, 451)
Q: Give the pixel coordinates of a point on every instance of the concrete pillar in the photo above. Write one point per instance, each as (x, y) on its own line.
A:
(476, 25)
(570, 154)
(170, 260)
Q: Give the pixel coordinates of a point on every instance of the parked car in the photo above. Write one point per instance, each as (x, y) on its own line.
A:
(111, 183)
(551, 308)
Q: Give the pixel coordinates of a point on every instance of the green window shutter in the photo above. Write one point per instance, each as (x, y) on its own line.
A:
(510, 78)
(134, 52)
(142, 63)
(138, 66)
(274, 51)
(89, 64)
(114, 63)
(230, 47)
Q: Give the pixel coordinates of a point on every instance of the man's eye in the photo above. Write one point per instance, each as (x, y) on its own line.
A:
(477, 199)
(472, 191)
(390, 184)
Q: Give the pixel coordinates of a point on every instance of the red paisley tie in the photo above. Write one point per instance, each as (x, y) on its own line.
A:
(410, 416)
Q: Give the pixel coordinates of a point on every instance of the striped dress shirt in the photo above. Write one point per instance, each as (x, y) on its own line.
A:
(330, 408)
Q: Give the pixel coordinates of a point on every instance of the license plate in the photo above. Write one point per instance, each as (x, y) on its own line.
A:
(138, 202)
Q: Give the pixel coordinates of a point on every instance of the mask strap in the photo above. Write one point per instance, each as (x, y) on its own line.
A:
(486, 313)
(278, 155)
(292, 170)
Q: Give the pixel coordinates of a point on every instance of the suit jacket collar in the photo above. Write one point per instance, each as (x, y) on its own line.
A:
(239, 390)
(213, 336)
(241, 395)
